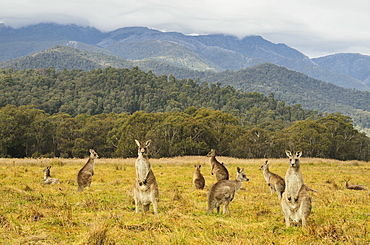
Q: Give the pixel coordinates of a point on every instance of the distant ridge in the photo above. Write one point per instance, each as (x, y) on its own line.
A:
(291, 86)
(200, 53)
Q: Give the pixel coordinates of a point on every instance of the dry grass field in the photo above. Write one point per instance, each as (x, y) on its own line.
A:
(105, 213)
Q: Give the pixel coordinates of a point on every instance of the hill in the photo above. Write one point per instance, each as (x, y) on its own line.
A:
(129, 90)
(295, 87)
(290, 86)
(354, 65)
(201, 53)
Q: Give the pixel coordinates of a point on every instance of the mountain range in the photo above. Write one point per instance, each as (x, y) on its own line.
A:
(335, 83)
(214, 52)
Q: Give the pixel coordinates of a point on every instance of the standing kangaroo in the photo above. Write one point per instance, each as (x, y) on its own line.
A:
(48, 180)
(295, 202)
(293, 176)
(198, 179)
(273, 180)
(145, 188)
(84, 176)
(223, 192)
(216, 167)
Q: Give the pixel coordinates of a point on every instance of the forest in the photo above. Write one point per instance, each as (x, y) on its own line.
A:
(49, 113)
(26, 131)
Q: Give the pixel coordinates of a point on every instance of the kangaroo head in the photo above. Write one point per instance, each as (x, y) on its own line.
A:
(265, 165)
(212, 153)
(143, 147)
(240, 175)
(294, 159)
(93, 154)
(46, 170)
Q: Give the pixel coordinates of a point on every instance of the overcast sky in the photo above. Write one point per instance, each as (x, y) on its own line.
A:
(314, 27)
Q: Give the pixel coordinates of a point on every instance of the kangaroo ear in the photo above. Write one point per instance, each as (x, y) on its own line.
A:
(137, 142)
(288, 153)
(147, 143)
(299, 153)
(238, 169)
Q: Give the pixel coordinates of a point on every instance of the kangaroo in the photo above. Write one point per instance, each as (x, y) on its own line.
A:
(275, 182)
(293, 176)
(145, 187)
(48, 180)
(84, 176)
(218, 168)
(198, 179)
(355, 187)
(295, 202)
(223, 192)
(299, 210)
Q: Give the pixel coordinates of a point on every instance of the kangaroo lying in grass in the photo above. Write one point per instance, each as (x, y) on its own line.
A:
(84, 176)
(48, 180)
(295, 202)
(145, 188)
(273, 180)
(355, 187)
(198, 179)
(217, 168)
(223, 192)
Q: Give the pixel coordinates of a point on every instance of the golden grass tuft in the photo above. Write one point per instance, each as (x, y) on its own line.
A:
(32, 213)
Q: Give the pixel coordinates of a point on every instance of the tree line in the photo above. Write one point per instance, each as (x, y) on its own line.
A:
(27, 131)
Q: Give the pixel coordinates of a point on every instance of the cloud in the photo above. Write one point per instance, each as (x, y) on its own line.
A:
(314, 27)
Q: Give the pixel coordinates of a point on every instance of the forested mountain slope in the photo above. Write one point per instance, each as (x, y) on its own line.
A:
(130, 90)
(196, 52)
(354, 65)
(295, 87)
(45, 112)
(290, 86)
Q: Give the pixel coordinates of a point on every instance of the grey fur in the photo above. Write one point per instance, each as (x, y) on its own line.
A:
(295, 203)
(48, 180)
(223, 192)
(198, 179)
(273, 180)
(84, 176)
(355, 187)
(217, 168)
(145, 189)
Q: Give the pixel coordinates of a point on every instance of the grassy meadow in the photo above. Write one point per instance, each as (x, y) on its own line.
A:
(105, 213)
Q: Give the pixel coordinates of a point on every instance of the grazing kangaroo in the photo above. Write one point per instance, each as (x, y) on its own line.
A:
(295, 202)
(145, 188)
(48, 180)
(198, 179)
(216, 167)
(84, 176)
(273, 180)
(223, 192)
(355, 187)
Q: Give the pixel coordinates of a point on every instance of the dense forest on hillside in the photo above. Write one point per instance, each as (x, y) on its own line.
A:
(45, 112)
(29, 132)
(129, 90)
(290, 86)
(295, 88)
